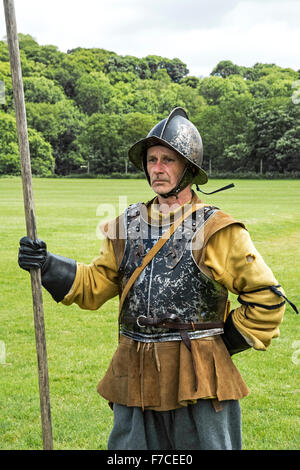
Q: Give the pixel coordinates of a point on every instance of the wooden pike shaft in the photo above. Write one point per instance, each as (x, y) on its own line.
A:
(36, 285)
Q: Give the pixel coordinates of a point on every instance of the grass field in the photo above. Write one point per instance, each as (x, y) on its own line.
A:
(81, 343)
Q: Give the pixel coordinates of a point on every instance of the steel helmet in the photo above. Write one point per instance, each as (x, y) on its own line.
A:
(177, 133)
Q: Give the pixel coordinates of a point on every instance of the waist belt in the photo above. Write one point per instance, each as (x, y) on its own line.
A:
(173, 322)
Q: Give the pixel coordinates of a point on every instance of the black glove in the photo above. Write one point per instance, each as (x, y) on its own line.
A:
(32, 253)
(232, 338)
(58, 273)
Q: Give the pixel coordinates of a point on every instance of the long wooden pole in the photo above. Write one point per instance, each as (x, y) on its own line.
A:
(36, 285)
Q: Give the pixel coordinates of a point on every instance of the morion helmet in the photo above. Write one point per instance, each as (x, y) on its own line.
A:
(177, 133)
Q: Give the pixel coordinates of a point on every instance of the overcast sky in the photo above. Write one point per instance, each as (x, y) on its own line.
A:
(199, 32)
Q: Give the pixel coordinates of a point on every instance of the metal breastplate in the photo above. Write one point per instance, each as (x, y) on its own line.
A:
(172, 283)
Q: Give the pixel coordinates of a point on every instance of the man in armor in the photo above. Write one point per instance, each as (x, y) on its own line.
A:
(172, 383)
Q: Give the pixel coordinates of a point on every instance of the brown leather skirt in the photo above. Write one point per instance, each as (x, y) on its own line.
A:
(161, 376)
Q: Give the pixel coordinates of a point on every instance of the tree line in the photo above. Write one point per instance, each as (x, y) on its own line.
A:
(86, 107)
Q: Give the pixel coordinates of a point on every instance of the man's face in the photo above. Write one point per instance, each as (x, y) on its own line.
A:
(165, 167)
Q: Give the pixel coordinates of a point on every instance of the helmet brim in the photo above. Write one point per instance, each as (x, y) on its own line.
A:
(138, 151)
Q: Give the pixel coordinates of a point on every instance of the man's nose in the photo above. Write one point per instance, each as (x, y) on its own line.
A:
(158, 167)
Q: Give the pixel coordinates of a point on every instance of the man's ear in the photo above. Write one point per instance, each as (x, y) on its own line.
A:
(194, 169)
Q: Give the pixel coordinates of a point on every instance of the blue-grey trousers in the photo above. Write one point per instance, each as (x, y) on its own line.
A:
(195, 427)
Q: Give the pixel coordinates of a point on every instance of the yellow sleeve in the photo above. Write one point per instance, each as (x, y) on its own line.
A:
(97, 282)
(235, 263)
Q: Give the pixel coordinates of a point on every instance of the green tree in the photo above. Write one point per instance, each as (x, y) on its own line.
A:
(212, 90)
(271, 142)
(274, 84)
(221, 126)
(176, 69)
(226, 68)
(29, 45)
(191, 81)
(4, 54)
(5, 78)
(216, 89)
(122, 98)
(90, 105)
(288, 149)
(42, 161)
(90, 60)
(105, 140)
(124, 77)
(133, 127)
(117, 63)
(100, 142)
(260, 70)
(66, 74)
(210, 125)
(155, 63)
(9, 151)
(42, 90)
(93, 92)
(59, 123)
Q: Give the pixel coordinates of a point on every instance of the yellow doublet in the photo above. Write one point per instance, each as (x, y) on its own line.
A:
(160, 376)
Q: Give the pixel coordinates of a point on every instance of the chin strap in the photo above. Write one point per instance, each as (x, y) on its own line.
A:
(231, 185)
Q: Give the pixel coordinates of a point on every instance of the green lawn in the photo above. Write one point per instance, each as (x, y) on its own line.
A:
(81, 343)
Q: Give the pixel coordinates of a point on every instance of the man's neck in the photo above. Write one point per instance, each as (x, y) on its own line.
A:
(171, 203)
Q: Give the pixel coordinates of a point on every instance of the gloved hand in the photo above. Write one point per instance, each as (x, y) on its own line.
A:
(32, 253)
(58, 273)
